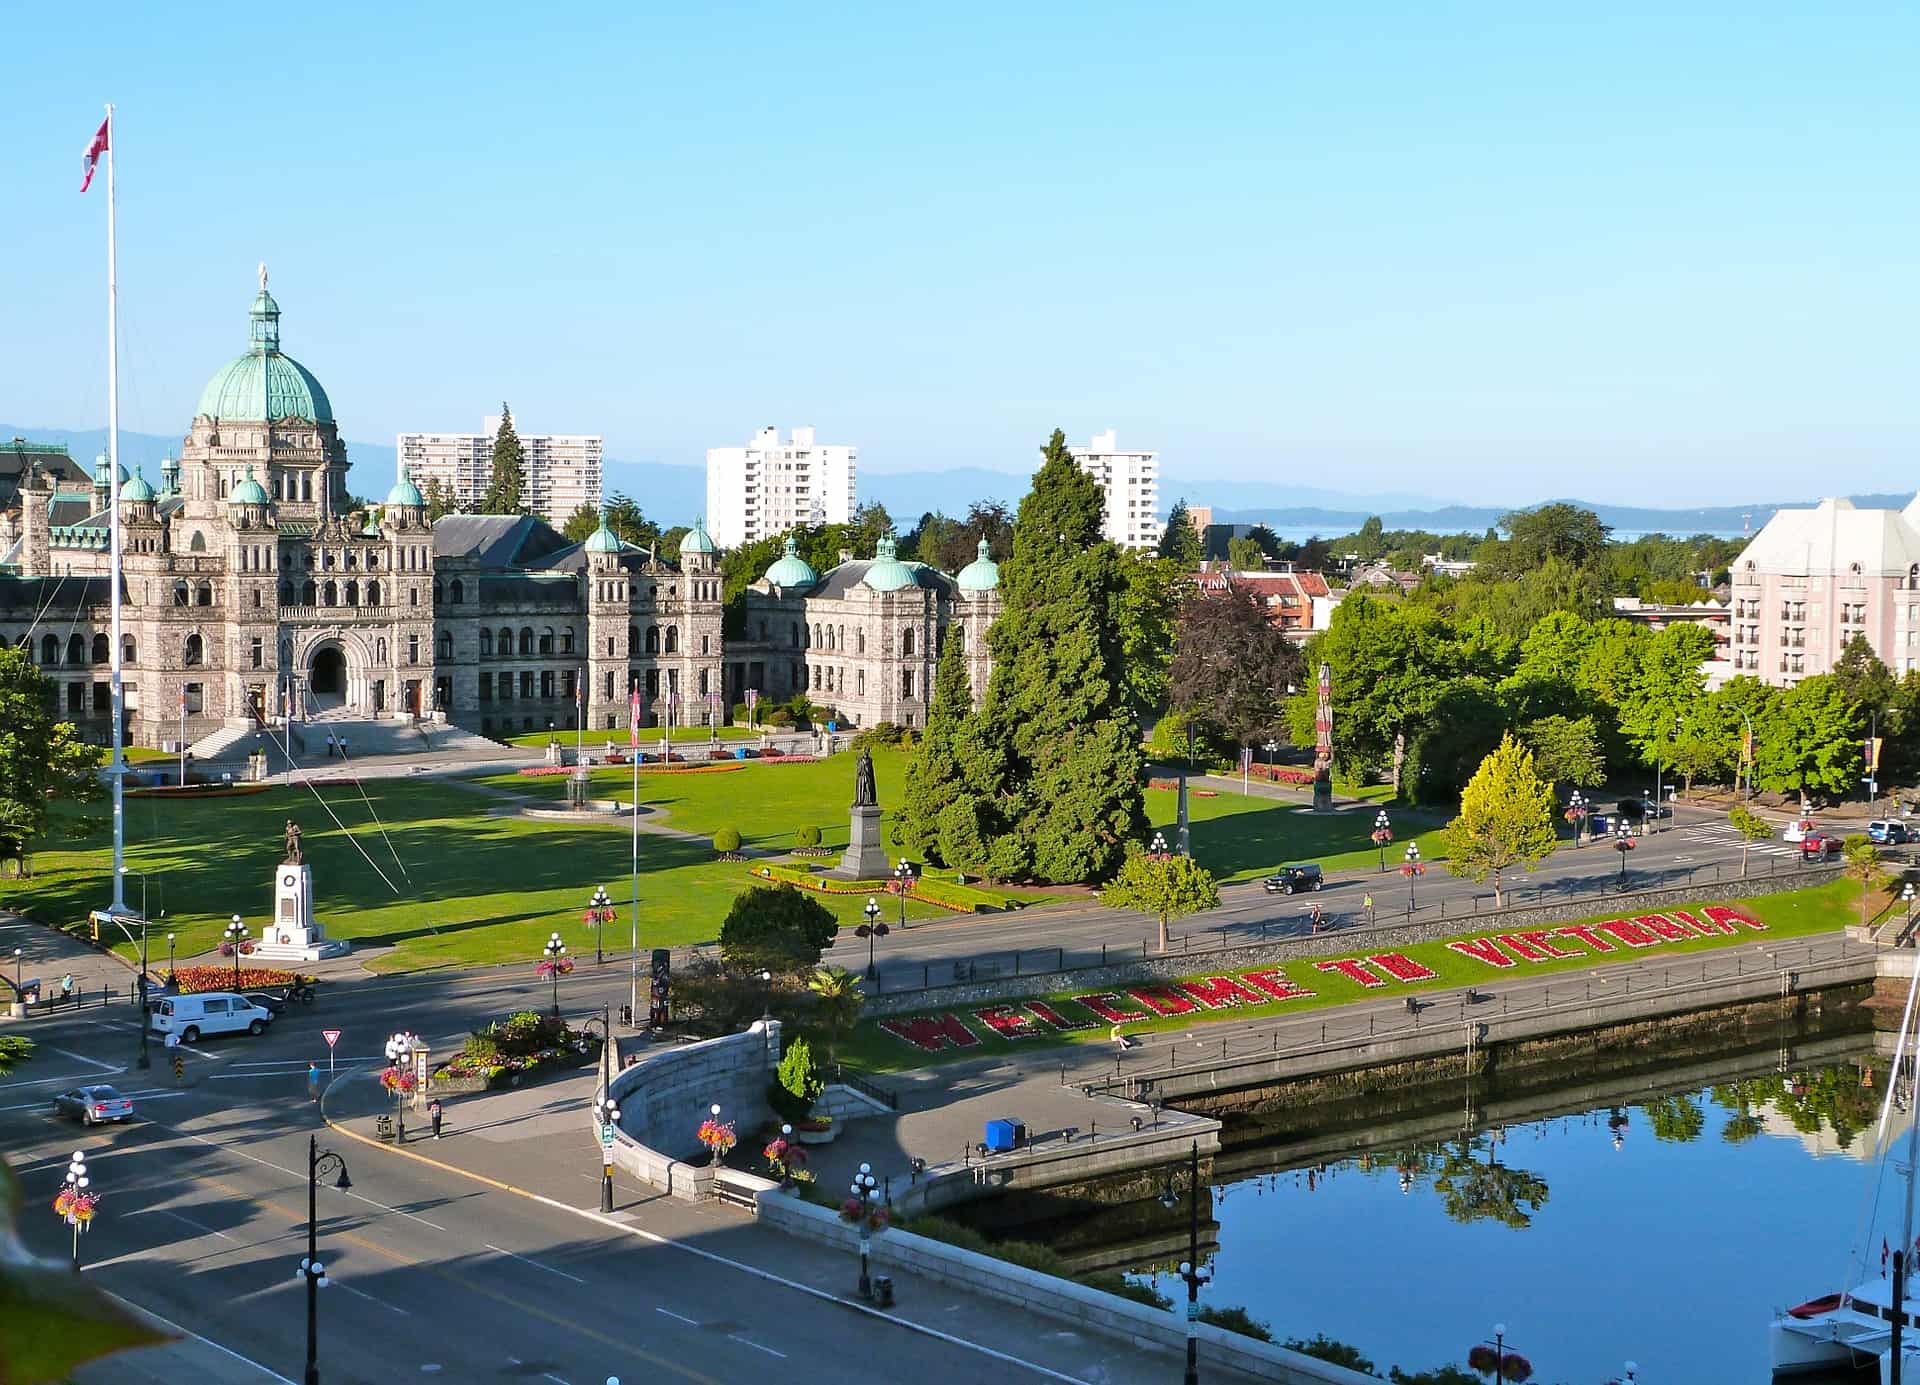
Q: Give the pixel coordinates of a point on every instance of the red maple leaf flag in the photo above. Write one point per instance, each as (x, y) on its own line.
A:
(633, 719)
(92, 156)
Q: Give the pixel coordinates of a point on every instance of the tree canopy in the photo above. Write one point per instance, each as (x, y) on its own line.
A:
(506, 491)
(1506, 818)
(776, 928)
(1162, 885)
(43, 762)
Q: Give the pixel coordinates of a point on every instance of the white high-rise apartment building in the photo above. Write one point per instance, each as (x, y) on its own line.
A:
(1131, 480)
(561, 472)
(769, 486)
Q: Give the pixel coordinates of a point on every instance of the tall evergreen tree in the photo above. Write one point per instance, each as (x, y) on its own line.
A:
(42, 760)
(1058, 735)
(1180, 541)
(439, 500)
(581, 524)
(934, 777)
(504, 492)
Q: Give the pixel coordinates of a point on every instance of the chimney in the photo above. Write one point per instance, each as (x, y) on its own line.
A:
(36, 552)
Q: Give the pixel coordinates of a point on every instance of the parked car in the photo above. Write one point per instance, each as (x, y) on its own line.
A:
(1889, 832)
(1634, 809)
(90, 1105)
(208, 1013)
(1796, 831)
(1820, 846)
(1292, 879)
(272, 1004)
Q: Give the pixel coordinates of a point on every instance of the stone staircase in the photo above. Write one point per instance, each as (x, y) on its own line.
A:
(843, 1103)
(364, 738)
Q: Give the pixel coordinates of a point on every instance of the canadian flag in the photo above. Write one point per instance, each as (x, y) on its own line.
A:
(92, 156)
(633, 718)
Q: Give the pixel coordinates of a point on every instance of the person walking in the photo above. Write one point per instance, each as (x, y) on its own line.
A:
(330, 745)
(1366, 902)
(66, 986)
(434, 1114)
(313, 1079)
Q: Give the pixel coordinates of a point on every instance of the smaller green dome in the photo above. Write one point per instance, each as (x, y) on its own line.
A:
(886, 573)
(980, 575)
(100, 473)
(249, 492)
(791, 570)
(136, 489)
(697, 540)
(404, 492)
(604, 540)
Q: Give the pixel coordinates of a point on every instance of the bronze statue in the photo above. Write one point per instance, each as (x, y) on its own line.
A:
(863, 781)
(293, 843)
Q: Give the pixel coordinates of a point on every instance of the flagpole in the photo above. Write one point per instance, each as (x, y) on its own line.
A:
(633, 951)
(118, 769)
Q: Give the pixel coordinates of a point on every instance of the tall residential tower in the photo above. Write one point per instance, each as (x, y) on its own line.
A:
(1131, 480)
(769, 487)
(562, 471)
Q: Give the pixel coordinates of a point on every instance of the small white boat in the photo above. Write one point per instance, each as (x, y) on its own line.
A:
(1838, 1332)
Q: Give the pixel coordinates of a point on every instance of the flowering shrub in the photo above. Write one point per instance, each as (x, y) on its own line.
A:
(205, 978)
(718, 1136)
(855, 1212)
(76, 1207)
(786, 1160)
(246, 947)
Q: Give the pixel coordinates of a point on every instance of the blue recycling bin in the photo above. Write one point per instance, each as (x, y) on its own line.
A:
(1006, 1134)
(739, 752)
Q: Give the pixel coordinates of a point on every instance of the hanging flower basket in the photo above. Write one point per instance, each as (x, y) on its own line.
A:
(854, 1212)
(76, 1208)
(400, 1080)
(718, 1136)
(546, 971)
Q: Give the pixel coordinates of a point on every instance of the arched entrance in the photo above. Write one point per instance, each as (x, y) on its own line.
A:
(327, 677)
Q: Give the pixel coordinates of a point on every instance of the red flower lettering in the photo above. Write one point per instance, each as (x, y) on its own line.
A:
(1540, 938)
(1483, 949)
(1162, 1000)
(1401, 967)
(1351, 969)
(1664, 927)
(931, 1033)
(1721, 914)
(1220, 992)
(1054, 1018)
(1276, 984)
(1109, 1007)
(1008, 1021)
(1584, 932)
(1528, 952)
(1628, 932)
(1704, 926)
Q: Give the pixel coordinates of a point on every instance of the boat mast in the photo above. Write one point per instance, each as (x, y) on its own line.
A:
(117, 770)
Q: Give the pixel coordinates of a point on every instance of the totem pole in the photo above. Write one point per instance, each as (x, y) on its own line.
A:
(1323, 744)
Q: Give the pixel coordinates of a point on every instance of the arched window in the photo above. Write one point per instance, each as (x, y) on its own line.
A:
(380, 652)
(128, 650)
(192, 653)
(841, 642)
(198, 543)
(331, 595)
(506, 642)
(76, 650)
(706, 644)
(486, 643)
(203, 594)
(182, 596)
(653, 639)
(102, 649)
(546, 640)
(673, 639)
(286, 593)
(459, 591)
(439, 594)
(566, 640)
(49, 650)
(353, 593)
(906, 642)
(308, 595)
(817, 640)
(860, 641)
(446, 644)
(526, 639)
(373, 593)
(633, 640)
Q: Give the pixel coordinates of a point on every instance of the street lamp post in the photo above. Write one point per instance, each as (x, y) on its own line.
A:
(1907, 895)
(236, 934)
(863, 1189)
(1577, 815)
(18, 995)
(143, 1062)
(903, 882)
(555, 951)
(1190, 1268)
(1622, 843)
(1413, 869)
(1271, 746)
(311, 1269)
(399, 1053)
(1382, 834)
(607, 1112)
(599, 910)
(871, 930)
(1158, 846)
(170, 956)
(79, 1201)
(766, 994)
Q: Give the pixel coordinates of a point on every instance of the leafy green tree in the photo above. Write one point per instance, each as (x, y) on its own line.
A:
(1244, 555)
(1740, 703)
(1751, 827)
(1461, 729)
(1556, 530)
(1566, 750)
(727, 840)
(1506, 818)
(581, 524)
(1390, 663)
(1675, 1117)
(626, 520)
(1161, 884)
(439, 499)
(839, 1000)
(1863, 679)
(934, 777)
(741, 567)
(1668, 689)
(505, 492)
(1862, 859)
(1812, 746)
(1180, 540)
(1060, 741)
(43, 762)
(1146, 615)
(776, 928)
(1707, 744)
(1472, 1191)
(1231, 666)
(798, 1082)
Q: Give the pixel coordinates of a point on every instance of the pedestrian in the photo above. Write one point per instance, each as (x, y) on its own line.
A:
(434, 1113)
(313, 1079)
(329, 745)
(1366, 902)
(66, 986)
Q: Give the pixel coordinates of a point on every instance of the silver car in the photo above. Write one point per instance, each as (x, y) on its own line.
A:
(91, 1105)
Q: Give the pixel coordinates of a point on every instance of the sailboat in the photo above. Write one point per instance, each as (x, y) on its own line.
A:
(1862, 1327)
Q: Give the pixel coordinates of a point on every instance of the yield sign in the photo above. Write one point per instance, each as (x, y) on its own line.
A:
(332, 1036)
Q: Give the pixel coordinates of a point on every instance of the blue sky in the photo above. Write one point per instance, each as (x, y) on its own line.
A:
(1483, 252)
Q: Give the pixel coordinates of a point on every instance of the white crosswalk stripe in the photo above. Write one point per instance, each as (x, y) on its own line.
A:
(1718, 835)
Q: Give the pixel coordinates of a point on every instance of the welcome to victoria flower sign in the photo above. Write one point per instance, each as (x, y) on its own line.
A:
(1372, 971)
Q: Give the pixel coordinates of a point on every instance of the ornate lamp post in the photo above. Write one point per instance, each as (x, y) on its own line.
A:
(1190, 1269)
(236, 934)
(170, 956)
(1500, 1363)
(555, 953)
(870, 930)
(1412, 870)
(1907, 894)
(607, 1113)
(311, 1269)
(864, 1196)
(902, 883)
(399, 1053)
(76, 1202)
(1271, 746)
(766, 994)
(1382, 834)
(599, 914)
(1158, 846)
(1577, 815)
(1622, 843)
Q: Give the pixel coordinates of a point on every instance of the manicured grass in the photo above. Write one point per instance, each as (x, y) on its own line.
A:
(596, 741)
(1822, 909)
(146, 754)
(1242, 837)
(477, 888)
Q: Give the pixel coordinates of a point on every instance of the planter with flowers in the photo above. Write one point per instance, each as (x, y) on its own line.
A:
(815, 1130)
(786, 1161)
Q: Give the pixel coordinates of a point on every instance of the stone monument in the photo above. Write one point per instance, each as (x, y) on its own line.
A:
(865, 857)
(1323, 744)
(291, 935)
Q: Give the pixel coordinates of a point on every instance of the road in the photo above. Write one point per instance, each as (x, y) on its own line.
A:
(203, 1222)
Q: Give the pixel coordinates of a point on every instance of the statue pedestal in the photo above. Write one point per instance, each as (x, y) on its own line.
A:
(291, 935)
(1323, 791)
(865, 858)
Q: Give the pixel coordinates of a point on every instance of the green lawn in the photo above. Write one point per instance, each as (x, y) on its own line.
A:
(1822, 909)
(477, 888)
(1242, 837)
(596, 741)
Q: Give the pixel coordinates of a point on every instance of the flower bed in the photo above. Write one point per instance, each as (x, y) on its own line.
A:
(503, 1053)
(216, 978)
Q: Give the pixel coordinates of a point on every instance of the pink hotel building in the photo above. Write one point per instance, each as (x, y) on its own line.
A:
(1813, 579)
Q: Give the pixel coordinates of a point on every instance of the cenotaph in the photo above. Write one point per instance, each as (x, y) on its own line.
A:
(291, 934)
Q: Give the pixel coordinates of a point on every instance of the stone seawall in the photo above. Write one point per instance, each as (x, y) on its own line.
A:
(1271, 952)
(664, 1097)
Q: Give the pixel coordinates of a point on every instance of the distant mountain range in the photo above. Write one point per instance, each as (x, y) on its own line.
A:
(674, 494)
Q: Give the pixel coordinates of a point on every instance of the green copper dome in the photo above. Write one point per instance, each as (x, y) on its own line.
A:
(100, 472)
(886, 573)
(791, 570)
(249, 492)
(980, 575)
(697, 540)
(136, 489)
(264, 385)
(603, 539)
(404, 492)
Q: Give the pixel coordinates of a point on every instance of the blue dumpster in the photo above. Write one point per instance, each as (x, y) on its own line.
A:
(739, 752)
(1006, 1134)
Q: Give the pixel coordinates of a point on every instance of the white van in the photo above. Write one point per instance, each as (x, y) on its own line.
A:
(209, 1012)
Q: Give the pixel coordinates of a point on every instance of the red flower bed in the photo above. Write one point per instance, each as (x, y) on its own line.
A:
(194, 979)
